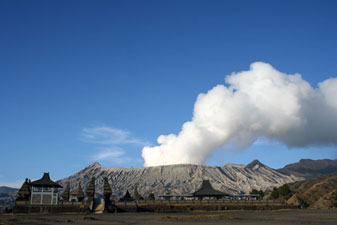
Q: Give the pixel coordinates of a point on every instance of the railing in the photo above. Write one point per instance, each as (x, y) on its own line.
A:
(22, 202)
(59, 203)
(211, 201)
(71, 203)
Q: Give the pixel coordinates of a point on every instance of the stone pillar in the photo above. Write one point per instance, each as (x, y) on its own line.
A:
(107, 194)
(91, 194)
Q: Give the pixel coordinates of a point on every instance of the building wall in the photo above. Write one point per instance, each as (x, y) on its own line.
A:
(44, 196)
(36, 199)
(46, 199)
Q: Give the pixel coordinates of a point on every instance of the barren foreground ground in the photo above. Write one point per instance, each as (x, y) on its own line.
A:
(227, 217)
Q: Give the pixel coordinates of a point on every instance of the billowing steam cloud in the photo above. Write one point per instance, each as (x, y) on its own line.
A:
(260, 102)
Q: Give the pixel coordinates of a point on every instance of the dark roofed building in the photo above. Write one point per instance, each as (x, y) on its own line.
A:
(108, 207)
(45, 181)
(77, 194)
(107, 189)
(91, 188)
(25, 191)
(80, 193)
(127, 197)
(66, 193)
(207, 190)
(91, 194)
(44, 191)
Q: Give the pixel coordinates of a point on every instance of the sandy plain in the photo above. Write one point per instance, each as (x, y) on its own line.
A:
(282, 217)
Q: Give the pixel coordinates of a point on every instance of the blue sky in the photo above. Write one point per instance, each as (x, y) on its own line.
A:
(85, 81)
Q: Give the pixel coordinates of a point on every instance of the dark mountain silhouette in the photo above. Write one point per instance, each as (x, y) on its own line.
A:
(5, 189)
(7, 197)
(309, 168)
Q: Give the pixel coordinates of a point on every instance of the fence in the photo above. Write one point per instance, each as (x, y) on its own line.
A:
(210, 201)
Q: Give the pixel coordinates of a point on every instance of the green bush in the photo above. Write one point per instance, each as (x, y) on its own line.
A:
(275, 193)
(151, 197)
(256, 192)
(284, 190)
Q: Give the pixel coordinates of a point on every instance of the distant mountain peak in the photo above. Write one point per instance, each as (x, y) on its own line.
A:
(306, 160)
(94, 165)
(310, 168)
(255, 164)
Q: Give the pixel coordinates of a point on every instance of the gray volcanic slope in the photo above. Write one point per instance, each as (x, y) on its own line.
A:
(181, 179)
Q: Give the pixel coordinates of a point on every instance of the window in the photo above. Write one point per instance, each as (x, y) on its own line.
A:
(47, 189)
(37, 189)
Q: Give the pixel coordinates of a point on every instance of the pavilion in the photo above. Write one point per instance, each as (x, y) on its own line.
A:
(24, 192)
(207, 190)
(44, 191)
(76, 195)
(127, 197)
(66, 193)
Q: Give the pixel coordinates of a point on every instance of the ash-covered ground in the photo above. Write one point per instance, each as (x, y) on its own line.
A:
(281, 217)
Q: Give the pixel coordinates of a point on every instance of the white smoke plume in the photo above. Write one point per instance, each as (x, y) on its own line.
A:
(260, 102)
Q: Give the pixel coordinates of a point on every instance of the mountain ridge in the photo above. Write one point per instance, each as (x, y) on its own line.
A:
(309, 168)
(318, 192)
(187, 178)
(6, 189)
(181, 178)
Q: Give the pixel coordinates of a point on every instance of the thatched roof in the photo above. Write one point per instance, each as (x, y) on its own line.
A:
(78, 192)
(207, 190)
(25, 189)
(107, 188)
(73, 192)
(91, 188)
(45, 181)
(127, 197)
(65, 194)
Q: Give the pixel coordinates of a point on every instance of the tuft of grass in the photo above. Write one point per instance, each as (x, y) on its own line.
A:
(89, 218)
(198, 217)
(73, 213)
(280, 210)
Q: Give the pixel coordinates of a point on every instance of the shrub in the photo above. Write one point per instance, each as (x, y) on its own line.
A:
(275, 193)
(284, 190)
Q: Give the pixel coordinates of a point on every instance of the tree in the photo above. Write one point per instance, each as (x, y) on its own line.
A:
(275, 193)
(151, 197)
(284, 190)
(256, 192)
(261, 193)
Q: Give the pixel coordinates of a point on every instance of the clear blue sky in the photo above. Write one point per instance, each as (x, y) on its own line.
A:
(138, 66)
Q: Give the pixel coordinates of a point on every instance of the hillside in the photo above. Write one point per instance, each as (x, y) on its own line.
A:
(318, 192)
(309, 168)
(185, 179)
(182, 179)
(5, 189)
(7, 197)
